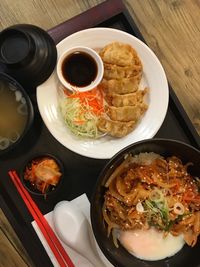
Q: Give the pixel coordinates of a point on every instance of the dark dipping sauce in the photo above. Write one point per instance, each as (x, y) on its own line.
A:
(79, 69)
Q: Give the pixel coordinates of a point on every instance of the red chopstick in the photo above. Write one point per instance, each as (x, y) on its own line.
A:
(54, 243)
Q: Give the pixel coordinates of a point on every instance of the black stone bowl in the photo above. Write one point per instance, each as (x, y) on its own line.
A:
(53, 190)
(119, 257)
(10, 82)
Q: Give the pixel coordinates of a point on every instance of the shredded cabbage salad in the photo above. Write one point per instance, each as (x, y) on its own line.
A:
(81, 110)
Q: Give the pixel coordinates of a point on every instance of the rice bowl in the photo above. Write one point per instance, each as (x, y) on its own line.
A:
(120, 256)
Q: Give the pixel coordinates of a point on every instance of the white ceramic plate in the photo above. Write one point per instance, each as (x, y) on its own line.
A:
(153, 76)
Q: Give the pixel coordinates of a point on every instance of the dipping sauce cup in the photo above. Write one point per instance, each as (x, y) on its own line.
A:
(80, 69)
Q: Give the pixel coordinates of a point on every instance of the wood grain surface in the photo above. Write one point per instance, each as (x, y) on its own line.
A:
(170, 27)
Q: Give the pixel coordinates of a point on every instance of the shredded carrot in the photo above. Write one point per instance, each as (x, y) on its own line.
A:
(93, 98)
(79, 121)
(66, 92)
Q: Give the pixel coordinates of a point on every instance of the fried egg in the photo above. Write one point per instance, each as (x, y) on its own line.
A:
(150, 244)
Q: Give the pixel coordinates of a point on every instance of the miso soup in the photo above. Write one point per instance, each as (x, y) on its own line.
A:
(13, 114)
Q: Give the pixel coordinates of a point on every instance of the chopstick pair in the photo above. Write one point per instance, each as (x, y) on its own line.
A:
(52, 240)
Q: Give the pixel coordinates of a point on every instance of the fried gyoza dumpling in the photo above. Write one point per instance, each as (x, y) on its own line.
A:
(127, 113)
(132, 99)
(121, 86)
(115, 128)
(120, 54)
(118, 72)
(122, 75)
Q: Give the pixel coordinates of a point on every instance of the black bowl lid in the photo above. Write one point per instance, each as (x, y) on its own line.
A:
(16, 47)
(33, 65)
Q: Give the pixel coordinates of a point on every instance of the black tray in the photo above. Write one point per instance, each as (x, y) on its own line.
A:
(80, 172)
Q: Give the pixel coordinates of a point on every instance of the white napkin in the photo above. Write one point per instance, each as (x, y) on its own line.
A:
(83, 204)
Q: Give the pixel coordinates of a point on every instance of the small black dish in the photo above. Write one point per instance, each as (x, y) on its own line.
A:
(27, 53)
(8, 83)
(119, 257)
(52, 190)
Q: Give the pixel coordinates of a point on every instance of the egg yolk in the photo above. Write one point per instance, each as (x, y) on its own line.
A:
(150, 244)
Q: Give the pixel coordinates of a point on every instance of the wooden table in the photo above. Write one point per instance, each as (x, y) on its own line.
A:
(171, 29)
